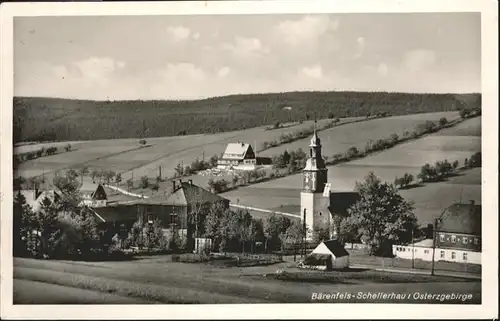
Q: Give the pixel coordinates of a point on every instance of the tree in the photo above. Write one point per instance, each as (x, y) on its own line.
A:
(83, 171)
(352, 152)
(118, 178)
(274, 225)
(72, 174)
(320, 234)
(48, 227)
(464, 113)
(443, 168)
(212, 221)
(427, 173)
(455, 165)
(241, 226)
(67, 147)
(348, 231)
(179, 170)
(144, 181)
(295, 235)
(24, 222)
(69, 188)
(443, 121)
(213, 161)
(475, 160)
(382, 216)
(94, 173)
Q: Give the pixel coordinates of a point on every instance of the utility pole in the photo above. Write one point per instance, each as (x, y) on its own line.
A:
(305, 234)
(159, 171)
(434, 245)
(412, 250)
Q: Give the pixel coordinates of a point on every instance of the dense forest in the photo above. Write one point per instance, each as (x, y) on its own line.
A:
(55, 119)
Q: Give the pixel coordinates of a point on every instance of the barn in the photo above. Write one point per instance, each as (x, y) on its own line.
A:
(328, 255)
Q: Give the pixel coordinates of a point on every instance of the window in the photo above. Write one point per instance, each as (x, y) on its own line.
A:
(441, 237)
(442, 254)
(415, 250)
(426, 251)
(150, 218)
(465, 240)
(465, 257)
(453, 239)
(476, 241)
(453, 255)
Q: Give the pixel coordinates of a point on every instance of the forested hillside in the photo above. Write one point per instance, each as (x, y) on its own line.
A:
(54, 119)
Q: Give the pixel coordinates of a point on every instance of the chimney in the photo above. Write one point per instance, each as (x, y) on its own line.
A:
(190, 182)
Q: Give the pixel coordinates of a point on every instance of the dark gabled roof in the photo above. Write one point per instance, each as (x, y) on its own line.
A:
(99, 193)
(341, 201)
(461, 218)
(117, 213)
(186, 193)
(336, 248)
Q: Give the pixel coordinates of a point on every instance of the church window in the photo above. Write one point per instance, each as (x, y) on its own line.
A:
(453, 238)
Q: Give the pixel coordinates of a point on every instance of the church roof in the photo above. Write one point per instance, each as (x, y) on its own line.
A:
(315, 140)
(341, 201)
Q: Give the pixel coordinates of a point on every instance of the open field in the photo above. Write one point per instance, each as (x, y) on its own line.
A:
(160, 280)
(429, 200)
(164, 151)
(334, 140)
(338, 140)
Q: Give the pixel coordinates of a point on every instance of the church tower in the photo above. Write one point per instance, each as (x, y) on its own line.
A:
(315, 194)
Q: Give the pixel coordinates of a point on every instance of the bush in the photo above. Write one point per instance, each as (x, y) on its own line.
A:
(144, 182)
(67, 147)
(142, 142)
(443, 121)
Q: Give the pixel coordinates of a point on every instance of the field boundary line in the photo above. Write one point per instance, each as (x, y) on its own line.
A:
(263, 210)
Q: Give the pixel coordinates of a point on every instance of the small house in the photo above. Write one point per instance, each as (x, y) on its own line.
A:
(328, 255)
(238, 155)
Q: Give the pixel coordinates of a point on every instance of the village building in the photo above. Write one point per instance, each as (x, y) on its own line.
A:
(35, 198)
(457, 237)
(241, 156)
(318, 204)
(93, 195)
(176, 208)
(328, 255)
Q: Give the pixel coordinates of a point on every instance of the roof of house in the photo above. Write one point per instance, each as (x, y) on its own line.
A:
(117, 213)
(34, 198)
(341, 201)
(236, 151)
(461, 218)
(99, 193)
(424, 243)
(184, 194)
(336, 248)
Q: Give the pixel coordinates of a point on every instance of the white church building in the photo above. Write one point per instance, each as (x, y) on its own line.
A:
(318, 204)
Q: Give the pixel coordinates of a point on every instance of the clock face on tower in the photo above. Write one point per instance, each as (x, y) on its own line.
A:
(307, 181)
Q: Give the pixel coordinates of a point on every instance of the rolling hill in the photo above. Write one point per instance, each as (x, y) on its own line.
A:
(55, 119)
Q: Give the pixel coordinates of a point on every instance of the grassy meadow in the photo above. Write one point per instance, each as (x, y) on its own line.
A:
(159, 280)
(455, 143)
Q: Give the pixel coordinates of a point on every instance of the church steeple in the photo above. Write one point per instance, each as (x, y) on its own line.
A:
(315, 172)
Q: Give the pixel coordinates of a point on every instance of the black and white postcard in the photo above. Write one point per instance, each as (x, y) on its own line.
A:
(256, 159)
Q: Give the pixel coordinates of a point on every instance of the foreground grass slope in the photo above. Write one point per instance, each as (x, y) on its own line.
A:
(159, 280)
(52, 119)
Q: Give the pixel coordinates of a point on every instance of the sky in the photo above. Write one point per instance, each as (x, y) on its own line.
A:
(192, 57)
